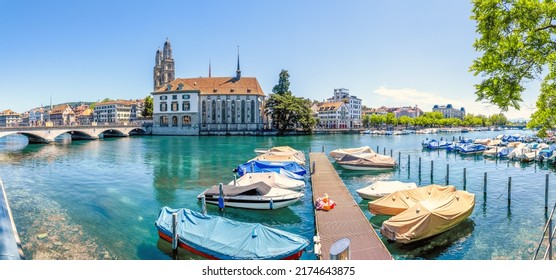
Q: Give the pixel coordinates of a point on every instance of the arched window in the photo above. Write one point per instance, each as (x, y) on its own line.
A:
(242, 111)
(213, 111)
(204, 112)
(186, 121)
(223, 116)
(233, 115)
(163, 121)
(252, 111)
(174, 121)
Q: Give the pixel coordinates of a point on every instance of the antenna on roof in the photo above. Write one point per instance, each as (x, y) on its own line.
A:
(209, 69)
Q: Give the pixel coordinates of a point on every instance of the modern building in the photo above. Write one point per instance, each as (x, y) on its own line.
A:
(62, 115)
(353, 103)
(206, 105)
(114, 111)
(449, 111)
(334, 115)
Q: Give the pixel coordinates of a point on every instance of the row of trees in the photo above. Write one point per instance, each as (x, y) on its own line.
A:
(432, 119)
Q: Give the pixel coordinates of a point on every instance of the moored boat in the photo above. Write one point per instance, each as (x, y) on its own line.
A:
(215, 237)
(290, 169)
(422, 212)
(258, 195)
(366, 161)
(272, 179)
(382, 188)
(339, 153)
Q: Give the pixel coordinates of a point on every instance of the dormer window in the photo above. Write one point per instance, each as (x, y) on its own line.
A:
(232, 90)
(168, 87)
(180, 86)
(248, 90)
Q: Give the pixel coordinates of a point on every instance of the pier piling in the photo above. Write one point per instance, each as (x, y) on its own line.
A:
(485, 184)
(174, 236)
(509, 190)
(447, 174)
(464, 178)
(432, 170)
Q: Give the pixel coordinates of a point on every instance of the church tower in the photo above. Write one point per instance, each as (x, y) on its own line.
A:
(164, 71)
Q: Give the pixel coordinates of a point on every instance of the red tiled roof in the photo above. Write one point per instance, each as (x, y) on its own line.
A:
(215, 86)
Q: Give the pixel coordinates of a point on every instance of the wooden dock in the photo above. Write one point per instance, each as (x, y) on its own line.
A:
(346, 219)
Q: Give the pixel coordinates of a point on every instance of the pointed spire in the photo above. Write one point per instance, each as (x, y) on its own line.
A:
(209, 69)
(238, 71)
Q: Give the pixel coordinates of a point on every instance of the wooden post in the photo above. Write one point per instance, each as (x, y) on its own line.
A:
(550, 237)
(175, 236)
(408, 161)
(447, 174)
(384, 152)
(485, 184)
(399, 158)
(235, 180)
(509, 190)
(314, 165)
(377, 149)
(546, 193)
(323, 148)
(464, 178)
(391, 152)
(419, 167)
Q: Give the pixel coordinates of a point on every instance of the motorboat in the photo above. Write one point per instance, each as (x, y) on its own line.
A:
(272, 179)
(279, 149)
(422, 212)
(470, 149)
(339, 153)
(366, 161)
(281, 157)
(216, 237)
(289, 169)
(382, 188)
(258, 195)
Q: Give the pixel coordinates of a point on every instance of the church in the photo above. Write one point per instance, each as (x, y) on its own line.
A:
(204, 105)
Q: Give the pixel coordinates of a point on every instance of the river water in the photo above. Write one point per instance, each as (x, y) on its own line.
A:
(99, 199)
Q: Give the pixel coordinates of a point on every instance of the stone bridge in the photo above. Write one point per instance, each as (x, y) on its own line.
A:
(48, 134)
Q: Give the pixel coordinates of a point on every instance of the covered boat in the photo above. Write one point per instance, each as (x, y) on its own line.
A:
(290, 169)
(422, 212)
(470, 149)
(258, 195)
(272, 179)
(279, 149)
(366, 161)
(217, 237)
(382, 188)
(10, 245)
(339, 153)
(281, 157)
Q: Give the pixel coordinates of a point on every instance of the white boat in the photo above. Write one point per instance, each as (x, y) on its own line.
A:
(283, 149)
(339, 153)
(382, 188)
(255, 196)
(366, 161)
(296, 157)
(272, 179)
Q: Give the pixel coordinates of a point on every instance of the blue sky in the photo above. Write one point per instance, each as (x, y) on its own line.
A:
(393, 53)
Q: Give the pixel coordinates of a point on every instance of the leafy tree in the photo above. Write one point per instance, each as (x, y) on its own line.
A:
(517, 44)
(92, 106)
(286, 110)
(106, 99)
(391, 119)
(498, 119)
(366, 120)
(148, 107)
(405, 120)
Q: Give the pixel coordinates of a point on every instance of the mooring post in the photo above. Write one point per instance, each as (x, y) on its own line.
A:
(550, 237)
(496, 155)
(221, 197)
(235, 180)
(314, 165)
(377, 150)
(546, 193)
(432, 170)
(204, 204)
(175, 235)
(323, 148)
(485, 184)
(419, 167)
(408, 161)
(447, 174)
(391, 152)
(464, 178)
(384, 152)
(509, 190)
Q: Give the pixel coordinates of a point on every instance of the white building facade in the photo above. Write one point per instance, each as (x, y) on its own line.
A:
(334, 115)
(176, 109)
(353, 103)
(117, 111)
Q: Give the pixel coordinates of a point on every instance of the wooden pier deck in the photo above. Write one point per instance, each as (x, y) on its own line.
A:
(346, 219)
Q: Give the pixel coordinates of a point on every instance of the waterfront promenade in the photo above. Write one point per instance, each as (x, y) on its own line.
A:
(346, 220)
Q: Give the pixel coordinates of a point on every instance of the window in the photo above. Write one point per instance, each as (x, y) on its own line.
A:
(233, 111)
(223, 115)
(185, 106)
(185, 96)
(163, 97)
(163, 121)
(204, 112)
(163, 107)
(175, 106)
(186, 120)
(242, 111)
(253, 111)
(174, 121)
(213, 111)
(174, 97)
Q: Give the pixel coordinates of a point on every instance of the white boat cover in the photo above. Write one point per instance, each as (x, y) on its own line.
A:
(258, 188)
(297, 157)
(382, 188)
(422, 212)
(339, 153)
(272, 179)
(371, 160)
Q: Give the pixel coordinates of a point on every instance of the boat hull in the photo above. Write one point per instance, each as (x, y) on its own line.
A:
(366, 167)
(259, 204)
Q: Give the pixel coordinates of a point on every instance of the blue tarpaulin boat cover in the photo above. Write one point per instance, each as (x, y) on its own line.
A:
(227, 239)
(290, 169)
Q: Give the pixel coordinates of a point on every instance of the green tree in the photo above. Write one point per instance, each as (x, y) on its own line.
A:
(391, 119)
(517, 44)
(286, 110)
(148, 107)
(405, 120)
(498, 119)
(366, 121)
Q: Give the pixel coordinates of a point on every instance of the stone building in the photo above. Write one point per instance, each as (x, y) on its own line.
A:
(62, 115)
(449, 111)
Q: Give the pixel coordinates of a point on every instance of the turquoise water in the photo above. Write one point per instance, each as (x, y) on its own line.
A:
(99, 199)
